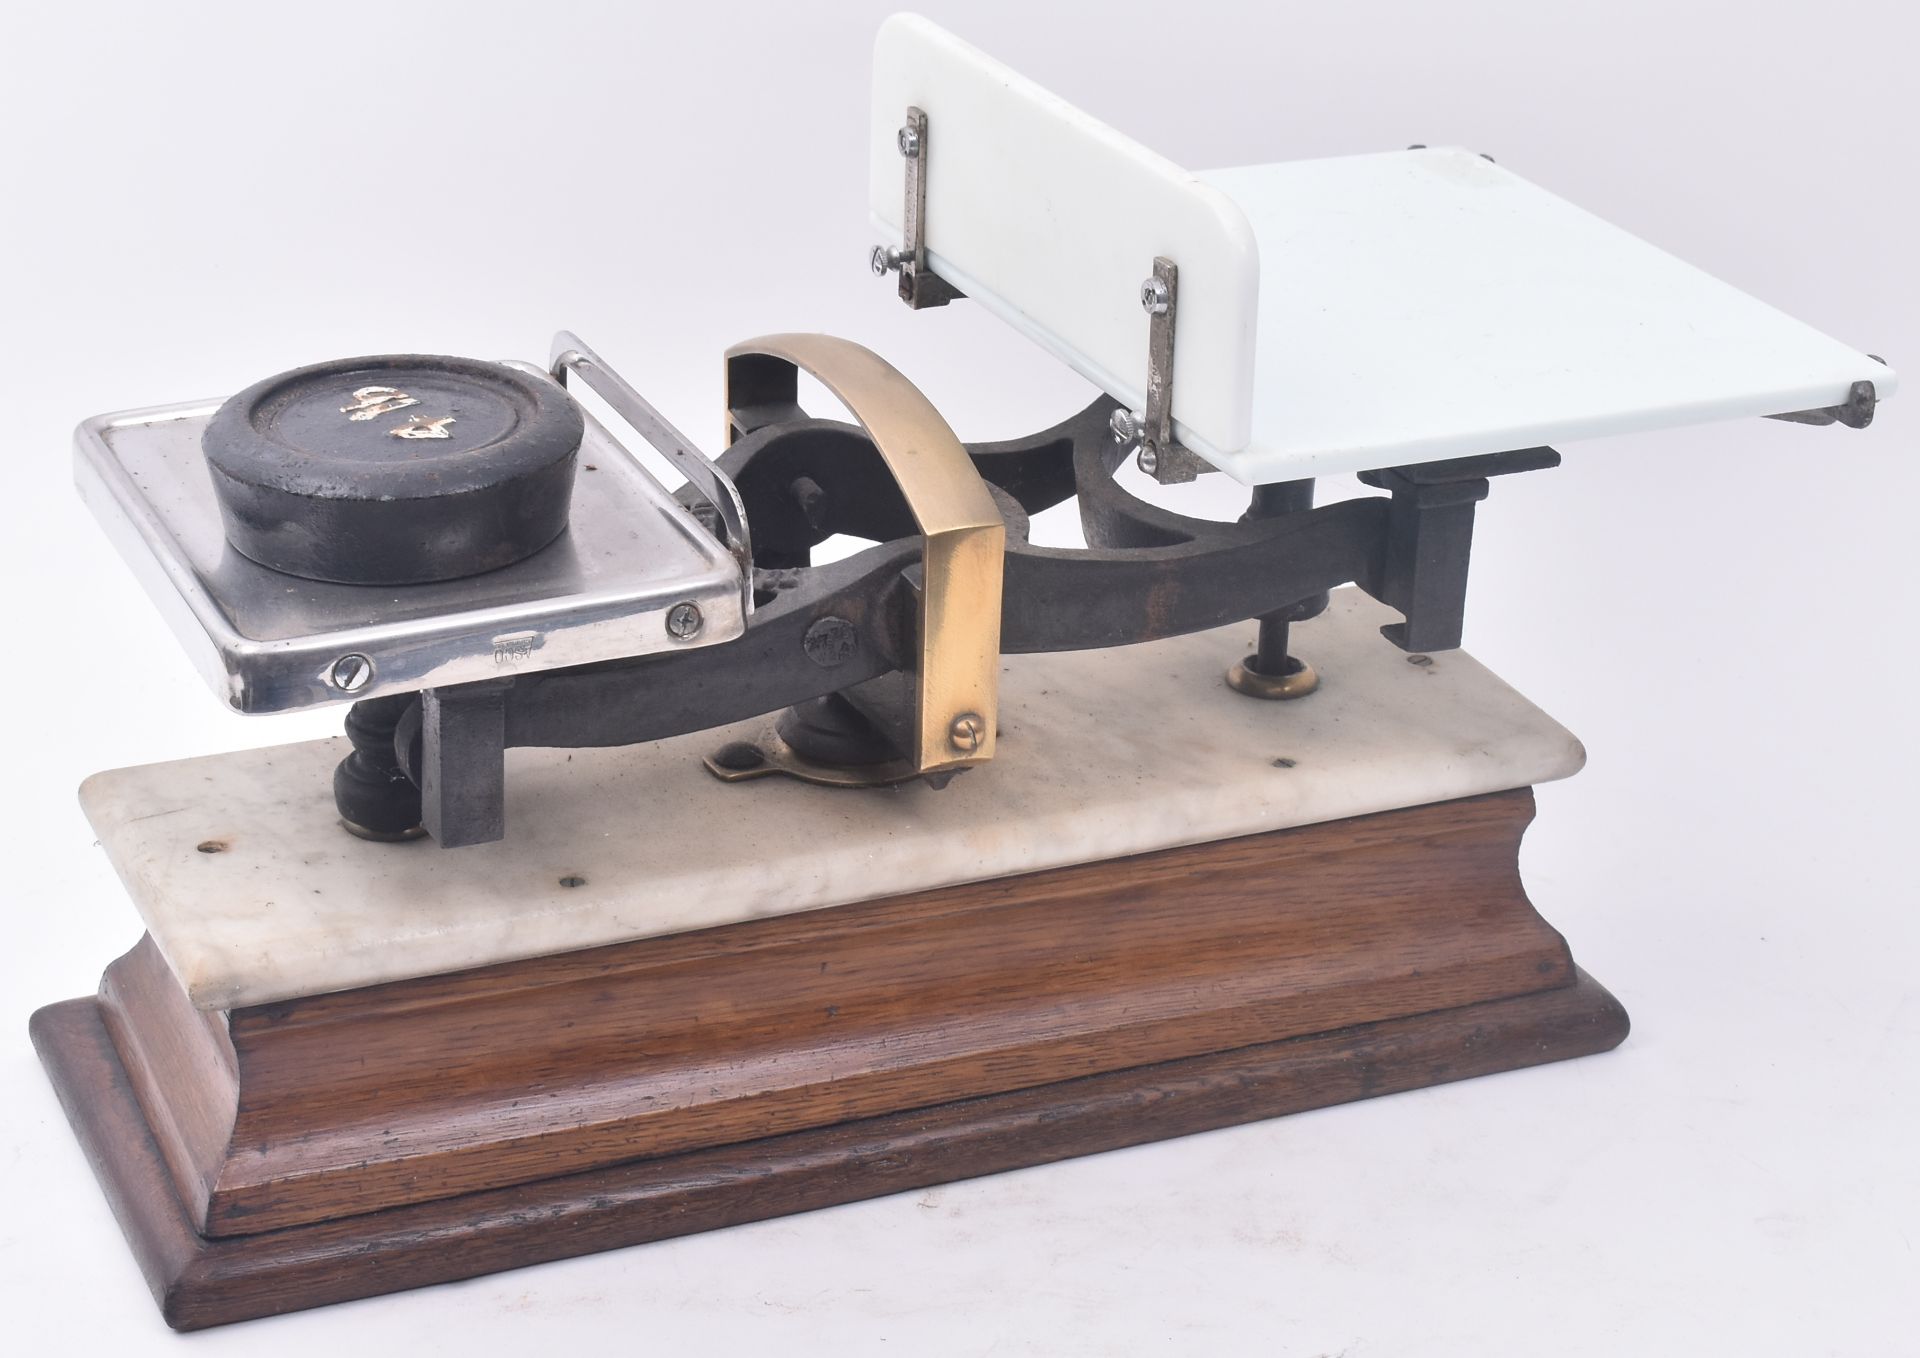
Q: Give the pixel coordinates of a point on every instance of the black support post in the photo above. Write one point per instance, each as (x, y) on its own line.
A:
(1430, 541)
(463, 766)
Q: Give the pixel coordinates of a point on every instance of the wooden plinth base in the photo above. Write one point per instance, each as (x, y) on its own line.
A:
(303, 1153)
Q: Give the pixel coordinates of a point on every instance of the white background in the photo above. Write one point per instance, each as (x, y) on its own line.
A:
(193, 197)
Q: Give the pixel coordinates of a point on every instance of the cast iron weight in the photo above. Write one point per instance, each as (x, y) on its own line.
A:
(394, 470)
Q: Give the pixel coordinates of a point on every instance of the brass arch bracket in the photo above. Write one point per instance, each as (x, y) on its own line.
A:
(957, 679)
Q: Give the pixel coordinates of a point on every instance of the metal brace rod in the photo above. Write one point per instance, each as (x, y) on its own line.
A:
(571, 354)
(919, 286)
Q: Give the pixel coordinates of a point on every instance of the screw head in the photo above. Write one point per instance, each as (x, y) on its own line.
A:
(683, 622)
(740, 755)
(351, 672)
(967, 732)
(1148, 461)
(1155, 297)
(883, 261)
(908, 140)
(1124, 426)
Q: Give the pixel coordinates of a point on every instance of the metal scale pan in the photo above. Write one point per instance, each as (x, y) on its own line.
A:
(636, 572)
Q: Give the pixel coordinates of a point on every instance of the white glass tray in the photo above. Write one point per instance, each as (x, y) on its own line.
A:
(1333, 315)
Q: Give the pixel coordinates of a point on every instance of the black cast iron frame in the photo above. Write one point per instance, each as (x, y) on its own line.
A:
(436, 759)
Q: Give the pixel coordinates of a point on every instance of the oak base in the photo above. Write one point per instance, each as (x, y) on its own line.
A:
(200, 1282)
(1055, 1015)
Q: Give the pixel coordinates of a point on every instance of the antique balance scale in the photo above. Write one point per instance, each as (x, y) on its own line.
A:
(1032, 854)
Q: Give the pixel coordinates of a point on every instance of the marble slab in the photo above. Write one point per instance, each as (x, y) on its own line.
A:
(1102, 753)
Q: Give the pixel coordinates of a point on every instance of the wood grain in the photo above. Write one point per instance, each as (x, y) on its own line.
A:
(1151, 988)
(455, 1084)
(200, 1282)
(182, 1068)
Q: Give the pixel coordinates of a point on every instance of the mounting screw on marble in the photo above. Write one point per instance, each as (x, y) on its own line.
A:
(908, 140)
(1155, 296)
(351, 672)
(683, 622)
(967, 732)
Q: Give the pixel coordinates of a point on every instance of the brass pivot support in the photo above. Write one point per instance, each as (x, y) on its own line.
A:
(947, 721)
(1298, 680)
(1272, 671)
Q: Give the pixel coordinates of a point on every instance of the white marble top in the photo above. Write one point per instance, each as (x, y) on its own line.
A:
(1102, 753)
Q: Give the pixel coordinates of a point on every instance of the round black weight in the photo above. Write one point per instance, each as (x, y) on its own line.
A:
(396, 470)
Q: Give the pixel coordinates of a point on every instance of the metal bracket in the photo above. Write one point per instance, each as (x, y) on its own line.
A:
(463, 767)
(571, 354)
(1423, 564)
(945, 716)
(769, 754)
(1160, 455)
(1856, 412)
(919, 285)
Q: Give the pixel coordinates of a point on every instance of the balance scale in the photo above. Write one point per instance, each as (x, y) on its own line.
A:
(467, 988)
